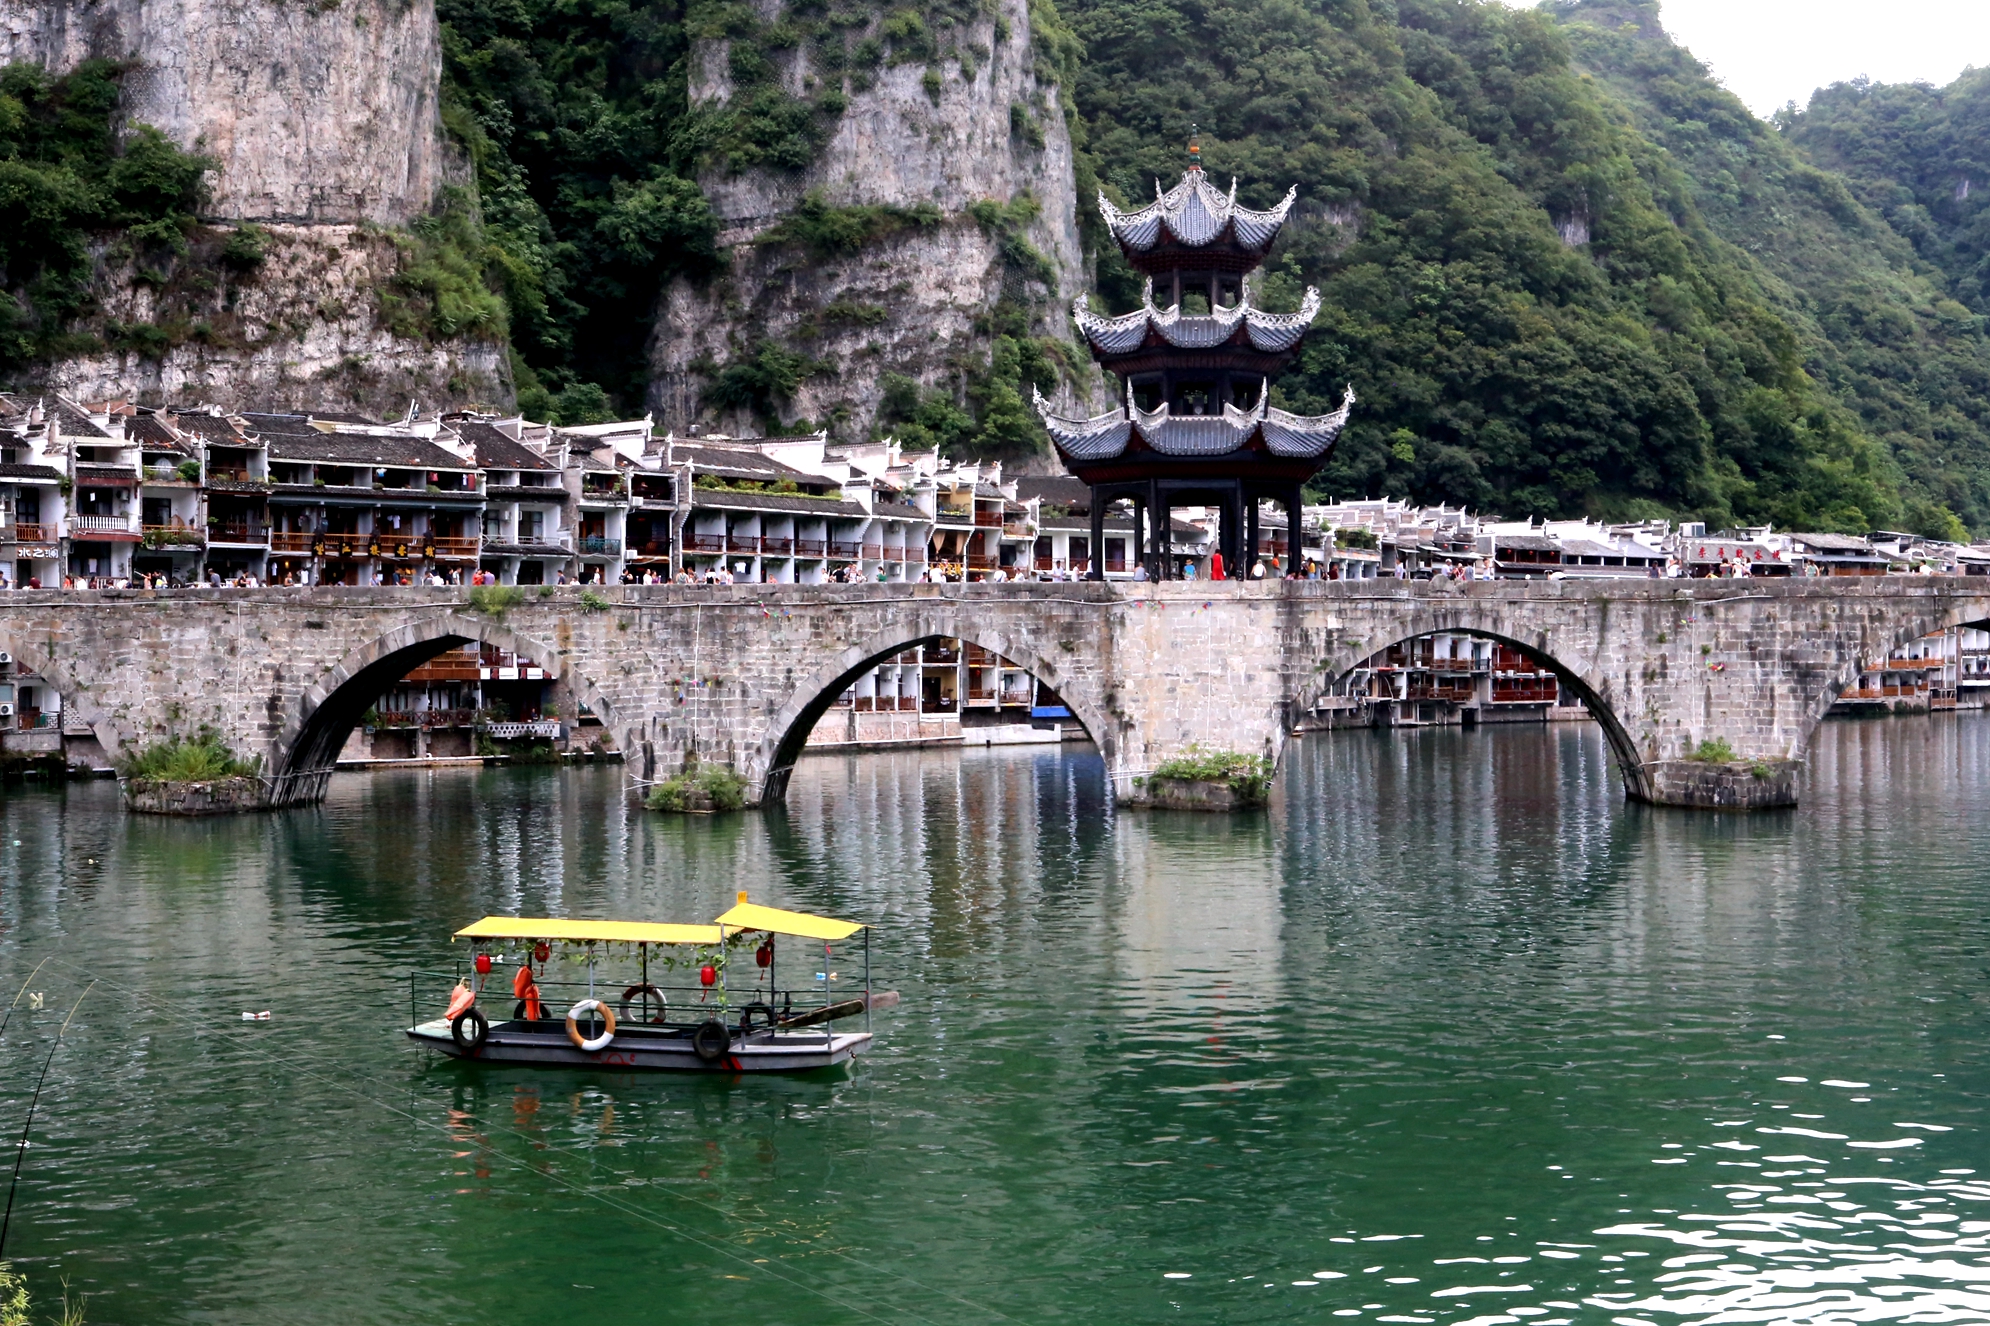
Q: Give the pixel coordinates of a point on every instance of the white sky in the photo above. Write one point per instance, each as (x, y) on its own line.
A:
(1772, 51)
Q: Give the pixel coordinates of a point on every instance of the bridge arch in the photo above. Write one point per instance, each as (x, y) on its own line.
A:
(789, 726)
(1923, 619)
(1630, 762)
(331, 707)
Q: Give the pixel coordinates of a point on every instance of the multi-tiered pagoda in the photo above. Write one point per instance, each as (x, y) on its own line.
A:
(1195, 426)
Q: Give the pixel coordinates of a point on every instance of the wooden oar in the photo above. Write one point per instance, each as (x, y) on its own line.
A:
(814, 1017)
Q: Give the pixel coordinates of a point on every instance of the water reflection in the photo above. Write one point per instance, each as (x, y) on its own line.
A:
(1449, 1034)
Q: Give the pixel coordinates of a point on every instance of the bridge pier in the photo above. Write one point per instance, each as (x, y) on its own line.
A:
(1735, 785)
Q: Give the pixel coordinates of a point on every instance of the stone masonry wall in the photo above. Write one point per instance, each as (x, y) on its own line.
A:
(738, 673)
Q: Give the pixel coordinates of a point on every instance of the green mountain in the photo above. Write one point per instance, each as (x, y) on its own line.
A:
(1565, 271)
(1892, 332)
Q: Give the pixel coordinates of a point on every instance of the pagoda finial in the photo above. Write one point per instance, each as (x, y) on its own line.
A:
(1194, 148)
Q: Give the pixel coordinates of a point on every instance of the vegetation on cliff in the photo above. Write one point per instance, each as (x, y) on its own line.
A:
(68, 191)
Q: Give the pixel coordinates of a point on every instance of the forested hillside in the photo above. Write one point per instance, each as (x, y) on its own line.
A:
(1882, 327)
(1564, 270)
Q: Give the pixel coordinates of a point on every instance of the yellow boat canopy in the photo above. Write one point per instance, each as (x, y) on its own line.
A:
(752, 916)
(588, 932)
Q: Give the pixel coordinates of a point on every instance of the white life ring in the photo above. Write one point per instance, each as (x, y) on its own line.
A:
(574, 1016)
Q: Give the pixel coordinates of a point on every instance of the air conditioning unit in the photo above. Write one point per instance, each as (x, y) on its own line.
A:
(6, 659)
(6, 708)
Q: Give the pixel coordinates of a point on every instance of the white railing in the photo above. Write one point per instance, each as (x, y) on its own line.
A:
(107, 524)
(548, 728)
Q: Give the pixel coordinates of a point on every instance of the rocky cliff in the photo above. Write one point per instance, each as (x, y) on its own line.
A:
(302, 328)
(319, 112)
(323, 124)
(930, 144)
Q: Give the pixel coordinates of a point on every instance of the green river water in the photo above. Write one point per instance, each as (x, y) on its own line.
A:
(1450, 1035)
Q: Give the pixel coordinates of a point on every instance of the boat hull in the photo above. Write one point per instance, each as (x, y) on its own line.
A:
(546, 1045)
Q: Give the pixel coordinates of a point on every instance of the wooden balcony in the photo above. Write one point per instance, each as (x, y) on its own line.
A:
(980, 562)
(811, 547)
(23, 532)
(704, 543)
(873, 551)
(988, 519)
(595, 545)
(954, 515)
(249, 535)
(290, 541)
(775, 545)
(845, 550)
(742, 543)
(447, 547)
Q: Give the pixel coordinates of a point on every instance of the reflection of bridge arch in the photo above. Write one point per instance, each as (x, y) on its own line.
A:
(787, 730)
(1623, 748)
(329, 710)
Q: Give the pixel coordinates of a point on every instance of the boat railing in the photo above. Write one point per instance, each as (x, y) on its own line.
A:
(686, 1001)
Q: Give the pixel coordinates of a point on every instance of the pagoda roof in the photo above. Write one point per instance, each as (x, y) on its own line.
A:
(1271, 333)
(1280, 433)
(1196, 214)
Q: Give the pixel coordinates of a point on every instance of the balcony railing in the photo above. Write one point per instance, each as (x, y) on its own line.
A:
(955, 515)
(594, 545)
(29, 720)
(980, 562)
(980, 693)
(775, 545)
(874, 551)
(811, 547)
(845, 549)
(251, 534)
(451, 547)
(171, 536)
(101, 524)
(1017, 528)
(746, 543)
(166, 474)
(542, 539)
(24, 532)
(291, 541)
(1046, 563)
(707, 543)
(988, 519)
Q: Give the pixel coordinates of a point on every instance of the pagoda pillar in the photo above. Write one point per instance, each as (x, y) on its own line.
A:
(1095, 555)
(1251, 540)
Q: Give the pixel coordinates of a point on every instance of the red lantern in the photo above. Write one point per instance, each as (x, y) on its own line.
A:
(542, 952)
(764, 955)
(483, 964)
(708, 975)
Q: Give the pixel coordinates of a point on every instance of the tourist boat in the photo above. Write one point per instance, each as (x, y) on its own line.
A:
(713, 1024)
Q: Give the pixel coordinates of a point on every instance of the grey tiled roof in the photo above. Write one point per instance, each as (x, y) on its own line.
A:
(495, 451)
(719, 499)
(350, 449)
(30, 472)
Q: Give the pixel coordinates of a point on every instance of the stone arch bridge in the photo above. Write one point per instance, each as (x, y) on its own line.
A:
(739, 674)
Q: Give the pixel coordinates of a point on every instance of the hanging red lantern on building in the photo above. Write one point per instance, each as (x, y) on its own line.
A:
(483, 964)
(708, 975)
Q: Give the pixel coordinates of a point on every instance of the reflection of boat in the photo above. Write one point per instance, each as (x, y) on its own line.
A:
(688, 1027)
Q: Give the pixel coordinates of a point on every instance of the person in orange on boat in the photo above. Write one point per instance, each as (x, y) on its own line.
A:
(523, 986)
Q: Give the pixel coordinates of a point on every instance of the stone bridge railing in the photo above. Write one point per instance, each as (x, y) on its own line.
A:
(739, 674)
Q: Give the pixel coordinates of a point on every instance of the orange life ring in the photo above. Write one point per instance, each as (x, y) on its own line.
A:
(607, 1025)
